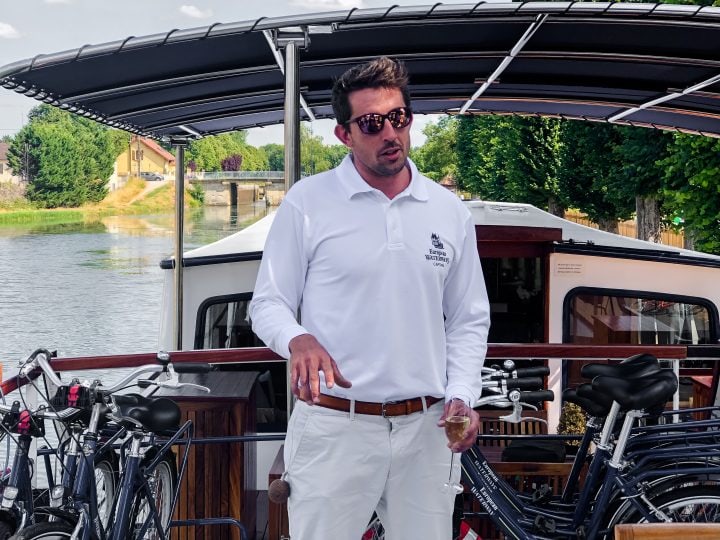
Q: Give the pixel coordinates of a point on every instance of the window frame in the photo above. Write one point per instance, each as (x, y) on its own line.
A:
(203, 310)
(644, 295)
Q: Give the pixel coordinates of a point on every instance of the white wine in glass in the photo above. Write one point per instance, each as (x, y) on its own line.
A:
(456, 424)
(455, 427)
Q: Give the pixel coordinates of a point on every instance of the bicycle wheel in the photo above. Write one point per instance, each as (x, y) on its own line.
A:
(693, 504)
(6, 530)
(45, 531)
(106, 479)
(162, 484)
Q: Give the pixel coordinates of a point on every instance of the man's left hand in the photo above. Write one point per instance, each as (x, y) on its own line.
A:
(471, 432)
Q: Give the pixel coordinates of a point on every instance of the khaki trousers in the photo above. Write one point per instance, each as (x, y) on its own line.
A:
(341, 467)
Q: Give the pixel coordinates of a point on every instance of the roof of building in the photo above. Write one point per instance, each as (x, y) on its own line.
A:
(654, 65)
(158, 149)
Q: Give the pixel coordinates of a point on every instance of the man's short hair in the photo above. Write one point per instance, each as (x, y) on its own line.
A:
(382, 72)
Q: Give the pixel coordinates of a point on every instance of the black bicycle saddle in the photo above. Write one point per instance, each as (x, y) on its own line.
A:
(636, 394)
(594, 406)
(639, 365)
(154, 414)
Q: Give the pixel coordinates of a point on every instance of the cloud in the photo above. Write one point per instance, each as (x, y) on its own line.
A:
(8, 32)
(59, 1)
(195, 12)
(328, 5)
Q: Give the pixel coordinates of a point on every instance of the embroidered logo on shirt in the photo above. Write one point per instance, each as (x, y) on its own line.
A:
(435, 239)
(437, 254)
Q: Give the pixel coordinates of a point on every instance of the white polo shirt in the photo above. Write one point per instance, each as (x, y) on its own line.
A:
(393, 289)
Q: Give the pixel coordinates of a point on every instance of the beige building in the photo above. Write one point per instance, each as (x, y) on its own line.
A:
(6, 173)
(145, 155)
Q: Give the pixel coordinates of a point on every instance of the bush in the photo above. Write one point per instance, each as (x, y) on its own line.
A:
(12, 195)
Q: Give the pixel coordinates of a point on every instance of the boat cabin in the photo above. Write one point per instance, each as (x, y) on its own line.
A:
(549, 280)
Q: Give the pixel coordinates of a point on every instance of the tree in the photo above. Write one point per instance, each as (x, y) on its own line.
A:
(69, 158)
(532, 162)
(275, 155)
(692, 188)
(639, 176)
(480, 156)
(587, 171)
(437, 158)
(232, 163)
(209, 152)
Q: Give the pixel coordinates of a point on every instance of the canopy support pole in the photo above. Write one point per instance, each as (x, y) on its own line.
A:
(179, 237)
(292, 42)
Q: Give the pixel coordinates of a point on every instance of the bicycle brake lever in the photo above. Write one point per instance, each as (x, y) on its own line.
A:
(515, 416)
(194, 386)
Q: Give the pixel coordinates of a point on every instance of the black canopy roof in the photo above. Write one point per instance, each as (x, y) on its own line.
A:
(655, 65)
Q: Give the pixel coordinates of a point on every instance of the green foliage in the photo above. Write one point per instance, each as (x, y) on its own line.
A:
(692, 188)
(573, 421)
(197, 193)
(588, 171)
(505, 158)
(532, 176)
(69, 158)
(479, 156)
(276, 156)
(436, 158)
(315, 156)
(208, 153)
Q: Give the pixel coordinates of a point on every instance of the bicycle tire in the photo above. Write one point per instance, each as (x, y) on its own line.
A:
(165, 482)
(106, 482)
(6, 530)
(44, 531)
(692, 504)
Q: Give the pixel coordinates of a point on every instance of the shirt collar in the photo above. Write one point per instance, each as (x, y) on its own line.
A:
(353, 183)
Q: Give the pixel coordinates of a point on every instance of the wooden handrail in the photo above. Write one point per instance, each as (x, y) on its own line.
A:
(263, 354)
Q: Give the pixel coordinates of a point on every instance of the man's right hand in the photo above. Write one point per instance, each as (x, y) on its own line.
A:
(307, 359)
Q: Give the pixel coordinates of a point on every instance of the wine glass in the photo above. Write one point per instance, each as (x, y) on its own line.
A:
(457, 422)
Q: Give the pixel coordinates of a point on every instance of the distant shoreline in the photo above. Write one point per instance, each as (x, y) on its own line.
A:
(161, 200)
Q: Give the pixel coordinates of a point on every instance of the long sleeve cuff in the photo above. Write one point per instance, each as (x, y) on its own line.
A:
(467, 394)
(283, 341)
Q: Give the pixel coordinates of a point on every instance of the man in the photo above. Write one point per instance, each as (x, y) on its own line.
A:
(382, 265)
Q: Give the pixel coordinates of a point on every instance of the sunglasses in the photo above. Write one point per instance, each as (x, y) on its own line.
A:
(373, 123)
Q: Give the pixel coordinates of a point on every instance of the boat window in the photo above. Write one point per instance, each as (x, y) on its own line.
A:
(600, 318)
(224, 323)
(516, 292)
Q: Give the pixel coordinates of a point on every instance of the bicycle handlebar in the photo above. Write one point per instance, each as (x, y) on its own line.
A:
(527, 383)
(43, 412)
(40, 358)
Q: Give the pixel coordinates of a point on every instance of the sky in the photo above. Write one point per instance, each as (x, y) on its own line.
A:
(31, 27)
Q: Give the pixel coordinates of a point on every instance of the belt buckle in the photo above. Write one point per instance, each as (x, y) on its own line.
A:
(382, 408)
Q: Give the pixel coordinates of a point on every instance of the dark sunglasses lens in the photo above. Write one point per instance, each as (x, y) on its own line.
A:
(371, 123)
(399, 118)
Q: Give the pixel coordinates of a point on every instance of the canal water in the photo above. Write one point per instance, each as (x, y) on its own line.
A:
(95, 288)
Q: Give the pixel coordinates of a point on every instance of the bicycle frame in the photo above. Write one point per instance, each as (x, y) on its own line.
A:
(134, 482)
(17, 504)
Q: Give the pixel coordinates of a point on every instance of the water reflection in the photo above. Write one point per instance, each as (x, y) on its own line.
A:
(94, 288)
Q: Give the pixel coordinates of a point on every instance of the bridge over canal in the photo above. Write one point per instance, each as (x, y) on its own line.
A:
(227, 188)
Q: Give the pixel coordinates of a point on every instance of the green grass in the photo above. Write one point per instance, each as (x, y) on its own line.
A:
(162, 200)
(41, 216)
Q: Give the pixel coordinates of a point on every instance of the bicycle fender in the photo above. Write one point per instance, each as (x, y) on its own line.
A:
(10, 516)
(59, 513)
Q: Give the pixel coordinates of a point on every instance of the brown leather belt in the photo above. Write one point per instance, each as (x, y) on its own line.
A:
(389, 408)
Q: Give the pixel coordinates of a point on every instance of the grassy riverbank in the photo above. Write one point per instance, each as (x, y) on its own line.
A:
(135, 198)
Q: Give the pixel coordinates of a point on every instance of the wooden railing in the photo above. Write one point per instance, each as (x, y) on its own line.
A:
(495, 351)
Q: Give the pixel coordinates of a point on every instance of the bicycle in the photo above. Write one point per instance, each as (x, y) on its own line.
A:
(149, 483)
(523, 516)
